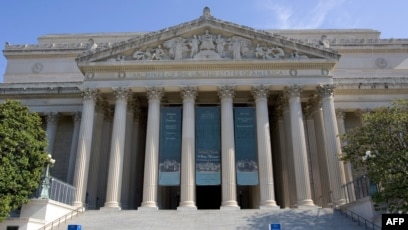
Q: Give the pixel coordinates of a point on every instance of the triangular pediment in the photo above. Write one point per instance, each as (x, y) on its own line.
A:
(206, 38)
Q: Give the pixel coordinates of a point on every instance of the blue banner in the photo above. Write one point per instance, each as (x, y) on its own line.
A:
(246, 146)
(208, 145)
(170, 146)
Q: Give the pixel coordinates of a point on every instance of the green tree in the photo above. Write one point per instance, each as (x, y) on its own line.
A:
(379, 148)
(23, 156)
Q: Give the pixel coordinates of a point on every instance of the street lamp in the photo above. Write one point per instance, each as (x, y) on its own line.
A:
(45, 184)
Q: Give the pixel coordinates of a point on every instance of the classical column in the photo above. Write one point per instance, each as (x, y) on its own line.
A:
(340, 115)
(152, 149)
(187, 195)
(74, 145)
(266, 184)
(114, 186)
(333, 147)
(228, 183)
(290, 162)
(313, 152)
(84, 146)
(94, 164)
(52, 122)
(127, 158)
(304, 195)
(135, 147)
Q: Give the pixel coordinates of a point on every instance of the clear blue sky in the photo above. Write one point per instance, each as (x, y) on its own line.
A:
(22, 21)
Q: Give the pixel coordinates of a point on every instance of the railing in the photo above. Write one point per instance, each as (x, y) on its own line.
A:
(359, 219)
(59, 191)
(358, 189)
(56, 223)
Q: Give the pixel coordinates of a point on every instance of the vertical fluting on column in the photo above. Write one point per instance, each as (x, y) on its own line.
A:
(74, 145)
(340, 115)
(94, 164)
(266, 183)
(313, 153)
(135, 158)
(52, 122)
(333, 147)
(304, 195)
(289, 154)
(321, 152)
(114, 185)
(84, 146)
(187, 186)
(154, 95)
(127, 157)
(228, 183)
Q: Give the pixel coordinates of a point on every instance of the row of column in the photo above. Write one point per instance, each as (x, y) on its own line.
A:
(187, 195)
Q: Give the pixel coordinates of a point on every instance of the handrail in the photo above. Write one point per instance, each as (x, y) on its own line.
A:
(64, 218)
(361, 220)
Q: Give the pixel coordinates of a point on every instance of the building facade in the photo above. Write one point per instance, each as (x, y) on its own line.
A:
(206, 114)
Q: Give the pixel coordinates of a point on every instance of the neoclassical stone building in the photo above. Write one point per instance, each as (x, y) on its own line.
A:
(204, 114)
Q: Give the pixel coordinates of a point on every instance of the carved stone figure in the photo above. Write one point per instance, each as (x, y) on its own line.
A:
(158, 53)
(178, 49)
(236, 48)
(194, 46)
(277, 53)
(138, 55)
(207, 41)
(220, 41)
(324, 41)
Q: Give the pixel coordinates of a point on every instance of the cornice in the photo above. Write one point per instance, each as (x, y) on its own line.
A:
(162, 66)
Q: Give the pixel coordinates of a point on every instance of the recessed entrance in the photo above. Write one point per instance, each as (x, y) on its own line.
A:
(208, 197)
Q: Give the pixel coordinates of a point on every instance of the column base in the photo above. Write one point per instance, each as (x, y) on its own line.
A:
(306, 204)
(187, 205)
(268, 204)
(229, 205)
(112, 204)
(148, 206)
(78, 204)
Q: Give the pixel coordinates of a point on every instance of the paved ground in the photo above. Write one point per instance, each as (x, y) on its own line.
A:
(213, 219)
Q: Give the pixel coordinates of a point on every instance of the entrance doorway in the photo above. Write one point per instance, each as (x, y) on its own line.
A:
(208, 197)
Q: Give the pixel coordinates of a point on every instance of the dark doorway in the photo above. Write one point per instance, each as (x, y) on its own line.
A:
(208, 197)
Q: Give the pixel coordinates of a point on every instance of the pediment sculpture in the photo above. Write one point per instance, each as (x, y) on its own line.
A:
(209, 46)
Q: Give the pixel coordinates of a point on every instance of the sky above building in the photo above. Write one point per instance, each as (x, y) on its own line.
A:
(24, 21)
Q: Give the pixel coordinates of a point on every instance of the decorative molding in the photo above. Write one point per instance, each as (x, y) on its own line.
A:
(292, 72)
(89, 94)
(121, 93)
(52, 117)
(189, 92)
(155, 93)
(36, 68)
(326, 90)
(260, 91)
(226, 91)
(293, 90)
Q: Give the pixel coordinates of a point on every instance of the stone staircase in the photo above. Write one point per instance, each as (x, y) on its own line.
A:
(318, 218)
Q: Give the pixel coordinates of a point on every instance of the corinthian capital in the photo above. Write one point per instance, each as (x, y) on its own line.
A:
(326, 90)
(121, 93)
(52, 117)
(189, 92)
(89, 94)
(226, 91)
(260, 91)
(293, 90)
(155, 93)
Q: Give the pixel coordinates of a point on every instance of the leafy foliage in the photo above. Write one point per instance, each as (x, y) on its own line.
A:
(380, 149)
(23, 156)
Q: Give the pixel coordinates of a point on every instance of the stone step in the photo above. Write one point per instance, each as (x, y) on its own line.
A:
(319, 218)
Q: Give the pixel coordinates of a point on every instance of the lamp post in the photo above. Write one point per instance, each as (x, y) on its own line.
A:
(45, 184)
